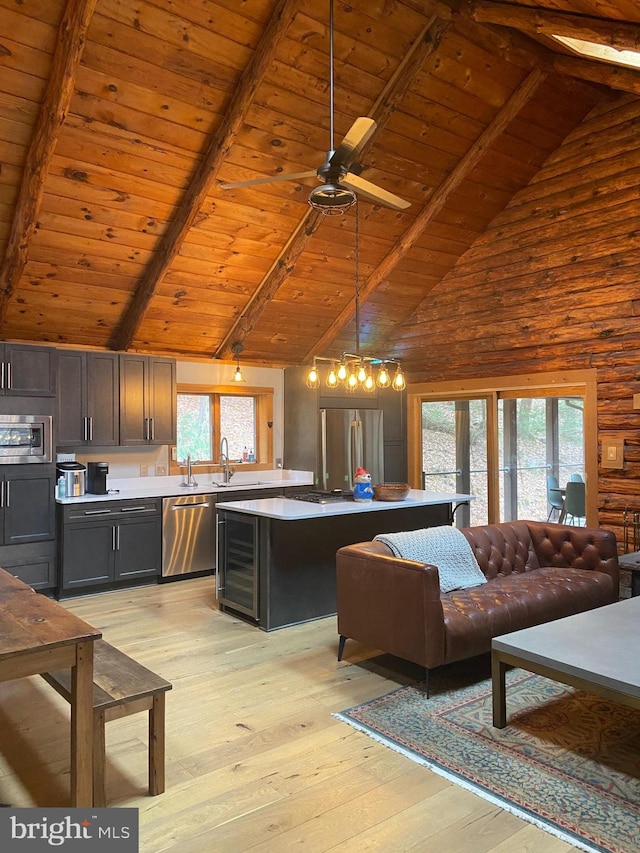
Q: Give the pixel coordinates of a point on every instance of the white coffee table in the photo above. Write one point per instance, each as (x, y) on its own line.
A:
(595, 651)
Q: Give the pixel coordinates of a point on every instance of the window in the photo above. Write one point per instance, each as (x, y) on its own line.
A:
(207, 415)
(195, 433)
(238, 424)
(499, 439)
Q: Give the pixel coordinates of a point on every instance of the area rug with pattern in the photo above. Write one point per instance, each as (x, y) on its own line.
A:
(567, 761)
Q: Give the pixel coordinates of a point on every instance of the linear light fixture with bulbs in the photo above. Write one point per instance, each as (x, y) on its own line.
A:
(355, 371)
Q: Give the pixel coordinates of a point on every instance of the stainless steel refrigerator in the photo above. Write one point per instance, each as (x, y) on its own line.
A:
(349, 439)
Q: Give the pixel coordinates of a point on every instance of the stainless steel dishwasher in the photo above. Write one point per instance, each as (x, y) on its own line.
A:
(188, 534)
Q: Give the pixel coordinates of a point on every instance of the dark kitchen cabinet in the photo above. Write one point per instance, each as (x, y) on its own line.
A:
(27, 523)
(35, 565)
(27, 504)
(147, 400)
(88, 399)
(394, 406)
(109, 543)
(27, 371)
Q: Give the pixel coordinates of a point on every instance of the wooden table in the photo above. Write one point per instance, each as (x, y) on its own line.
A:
(38, 635)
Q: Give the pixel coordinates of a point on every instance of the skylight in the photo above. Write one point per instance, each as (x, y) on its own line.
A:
(603, 52)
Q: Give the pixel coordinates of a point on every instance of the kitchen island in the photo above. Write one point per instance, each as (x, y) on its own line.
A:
(276, 556)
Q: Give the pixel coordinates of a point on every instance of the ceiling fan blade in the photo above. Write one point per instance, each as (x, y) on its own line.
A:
(293, 176)
(373, 192)
(357, 136)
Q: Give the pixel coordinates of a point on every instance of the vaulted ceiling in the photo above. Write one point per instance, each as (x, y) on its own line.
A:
(120, 120)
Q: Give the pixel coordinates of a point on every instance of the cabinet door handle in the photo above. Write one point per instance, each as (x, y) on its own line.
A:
(2, 495)
(137, 509)
(115, 538)
(97, 512)
(152, 430)
(90, 429)
(7, 493)
(2, 374)
(8, 385)
(84, 429)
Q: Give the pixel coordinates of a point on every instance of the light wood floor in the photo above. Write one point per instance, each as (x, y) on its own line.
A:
(255, 761)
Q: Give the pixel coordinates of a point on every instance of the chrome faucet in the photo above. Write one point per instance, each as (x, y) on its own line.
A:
(224, 461)
(191, 480)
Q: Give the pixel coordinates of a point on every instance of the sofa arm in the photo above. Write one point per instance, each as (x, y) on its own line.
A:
(390, 604)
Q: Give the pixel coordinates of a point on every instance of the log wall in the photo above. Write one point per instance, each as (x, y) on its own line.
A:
(554, 284)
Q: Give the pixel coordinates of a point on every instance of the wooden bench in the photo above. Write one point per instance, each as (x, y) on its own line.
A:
(121, 686)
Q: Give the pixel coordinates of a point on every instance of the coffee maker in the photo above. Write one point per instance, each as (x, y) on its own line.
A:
(97, 478)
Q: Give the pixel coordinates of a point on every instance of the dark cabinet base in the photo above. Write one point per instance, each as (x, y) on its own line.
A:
(34, 564)
(295, 560)
(106, 545)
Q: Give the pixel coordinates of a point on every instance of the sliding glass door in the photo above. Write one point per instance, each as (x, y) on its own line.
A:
(500, 448)
(538, 437)
(454, 453)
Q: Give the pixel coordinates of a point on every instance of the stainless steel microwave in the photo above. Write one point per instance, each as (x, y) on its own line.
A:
(25, 438)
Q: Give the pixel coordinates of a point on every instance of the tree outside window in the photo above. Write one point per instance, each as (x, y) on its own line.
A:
(195, 433)
(206, 416)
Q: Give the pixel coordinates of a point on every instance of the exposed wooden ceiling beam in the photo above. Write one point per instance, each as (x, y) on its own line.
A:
(549, 23)
(436, 202)
(196, 194)
(53, 112)
(381, 111)
(622, 79)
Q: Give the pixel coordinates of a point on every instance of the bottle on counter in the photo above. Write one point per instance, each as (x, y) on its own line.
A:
(62, 487)
(252, 456)
(245, 454)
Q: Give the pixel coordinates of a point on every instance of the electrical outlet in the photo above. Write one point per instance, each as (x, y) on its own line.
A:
(174, 454)
(144, 470)
(161, 470)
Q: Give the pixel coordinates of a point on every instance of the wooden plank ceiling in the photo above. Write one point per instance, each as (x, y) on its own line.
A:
(120, 120)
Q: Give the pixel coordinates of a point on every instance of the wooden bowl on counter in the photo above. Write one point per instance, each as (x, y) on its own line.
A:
(390, 491)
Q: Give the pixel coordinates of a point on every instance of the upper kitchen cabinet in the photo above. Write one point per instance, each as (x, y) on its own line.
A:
(147, 400)
(88, 399)
(27, 371)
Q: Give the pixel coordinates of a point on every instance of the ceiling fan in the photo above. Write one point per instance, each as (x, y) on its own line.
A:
(341, 183)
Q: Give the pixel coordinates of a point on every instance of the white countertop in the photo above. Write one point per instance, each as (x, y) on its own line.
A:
(289, 509)
(138, 488)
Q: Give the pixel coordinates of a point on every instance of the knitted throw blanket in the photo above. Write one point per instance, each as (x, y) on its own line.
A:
(444, 547)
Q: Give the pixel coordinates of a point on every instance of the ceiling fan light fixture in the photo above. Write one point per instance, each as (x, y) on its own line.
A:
(332, 199)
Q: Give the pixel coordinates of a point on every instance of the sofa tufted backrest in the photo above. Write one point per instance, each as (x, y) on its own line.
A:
(502, 549)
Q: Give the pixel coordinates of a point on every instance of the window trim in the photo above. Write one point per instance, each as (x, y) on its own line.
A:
(264, 423)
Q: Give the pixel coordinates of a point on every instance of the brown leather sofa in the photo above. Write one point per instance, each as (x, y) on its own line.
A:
(536, 572)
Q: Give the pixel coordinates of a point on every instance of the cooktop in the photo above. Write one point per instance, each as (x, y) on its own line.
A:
(318, 496)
